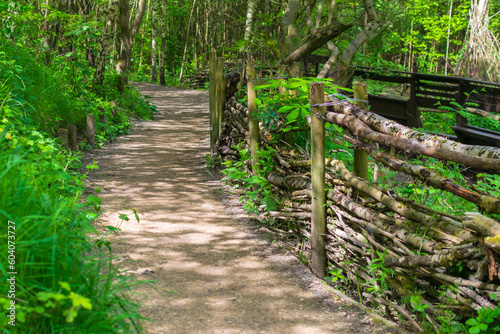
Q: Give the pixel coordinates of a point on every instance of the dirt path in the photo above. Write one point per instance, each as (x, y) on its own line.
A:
(215, 272)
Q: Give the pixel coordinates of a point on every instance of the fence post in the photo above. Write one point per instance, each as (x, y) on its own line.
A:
(460, 99)
(318, 219)
(220, 98)
(102, 115)
(360, 156)
(62, 134)
(412, 106)
(241, 71)
(71, 136)
(211, 103)
(91, 130)
(253, 123)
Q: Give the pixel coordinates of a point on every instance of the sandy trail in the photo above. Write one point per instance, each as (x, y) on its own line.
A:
(214, 272)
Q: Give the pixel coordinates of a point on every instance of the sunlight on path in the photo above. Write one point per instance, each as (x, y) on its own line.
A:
(212, 273)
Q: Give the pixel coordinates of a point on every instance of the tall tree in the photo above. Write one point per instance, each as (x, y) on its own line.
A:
(128, 29)
(154, 73)
(110, 16)
(163, 41)
(249, 26)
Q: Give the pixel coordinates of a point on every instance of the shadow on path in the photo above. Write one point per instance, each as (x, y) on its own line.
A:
(213, 273)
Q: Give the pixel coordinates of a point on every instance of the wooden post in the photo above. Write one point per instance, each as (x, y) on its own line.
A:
(253, 123)
(212, 96)
(412, 106)
(71, 136)
(318, 219)
(460, 99)
(91, 130)
(360, 156)
(239, 69)
(62, 134)
(114, 112)
(220, 96)
(102, 115)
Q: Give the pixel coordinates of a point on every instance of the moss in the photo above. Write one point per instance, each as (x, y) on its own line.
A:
(493, 242)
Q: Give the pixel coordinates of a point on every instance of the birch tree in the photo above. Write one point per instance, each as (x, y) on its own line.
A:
(154, 73)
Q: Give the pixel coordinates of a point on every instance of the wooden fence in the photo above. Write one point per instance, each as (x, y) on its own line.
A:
(420, 92)
(397, 252)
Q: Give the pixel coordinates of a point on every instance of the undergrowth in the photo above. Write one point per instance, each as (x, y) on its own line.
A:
(63, 281)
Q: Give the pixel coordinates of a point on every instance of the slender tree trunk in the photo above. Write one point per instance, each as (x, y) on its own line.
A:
(127, 32)
(289, 18)
(154, 73)
(249, 24)
(163, 42)
(106, 40)
(187, 39)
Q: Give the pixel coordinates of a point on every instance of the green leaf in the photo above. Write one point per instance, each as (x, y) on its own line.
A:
(471, 322)
(292, 116)
(124, 217)
(286, 108)
(65, 286)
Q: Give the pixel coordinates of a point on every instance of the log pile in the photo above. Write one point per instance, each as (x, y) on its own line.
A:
(196, 80)
(400, 256)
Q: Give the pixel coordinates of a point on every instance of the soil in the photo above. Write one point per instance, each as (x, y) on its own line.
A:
(214, 271)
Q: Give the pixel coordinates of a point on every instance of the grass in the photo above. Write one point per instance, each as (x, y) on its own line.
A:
(64, 283)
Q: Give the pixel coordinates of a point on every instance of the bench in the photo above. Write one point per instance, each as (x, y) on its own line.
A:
(473, 135)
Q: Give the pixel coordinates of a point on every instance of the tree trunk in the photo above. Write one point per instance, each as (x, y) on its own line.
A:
(341, 72)
(154, 73)
(249, 24)
(106, 39)
(187, 39)
(315, 41)
(163, 42)
(126, 34)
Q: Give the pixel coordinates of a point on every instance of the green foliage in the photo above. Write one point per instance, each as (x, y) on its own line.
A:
(259, 196)
(484, 322)
(377, 266)
(335, 275)
(62, 280)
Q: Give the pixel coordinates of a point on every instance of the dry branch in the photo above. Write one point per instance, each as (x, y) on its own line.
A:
(360, 129)
(489, 204)
(392, 128)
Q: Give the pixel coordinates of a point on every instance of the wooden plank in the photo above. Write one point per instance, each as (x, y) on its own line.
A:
(379, 77)
(445, 88)
(436, 78)
(487, 131)
(438, 94)
(472, 136)
(318, 218)
(427, 102)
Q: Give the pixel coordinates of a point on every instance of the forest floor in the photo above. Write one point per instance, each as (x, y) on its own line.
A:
(214, 271)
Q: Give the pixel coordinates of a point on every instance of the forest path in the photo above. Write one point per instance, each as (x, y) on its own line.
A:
(214, 272)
